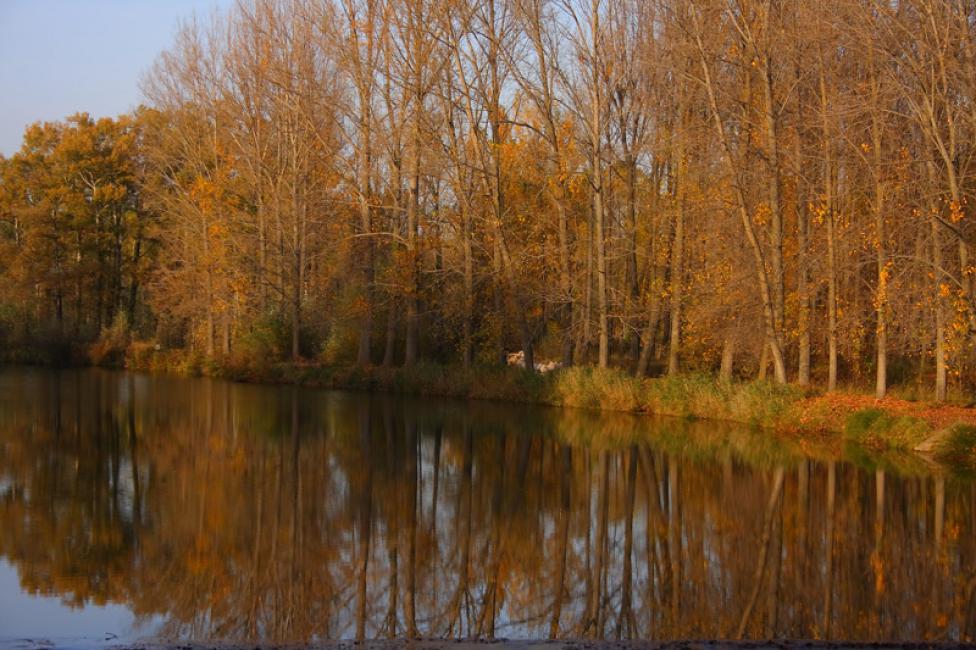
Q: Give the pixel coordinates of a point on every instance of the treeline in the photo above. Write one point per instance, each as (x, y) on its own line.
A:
(749, 186)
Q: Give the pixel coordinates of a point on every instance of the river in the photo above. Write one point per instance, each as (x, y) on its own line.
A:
(168, 509)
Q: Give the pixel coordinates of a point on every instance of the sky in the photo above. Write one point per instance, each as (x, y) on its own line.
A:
(59, 57)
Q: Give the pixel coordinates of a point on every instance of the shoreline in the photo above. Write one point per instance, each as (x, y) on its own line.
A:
(84, 643)
(943, 431)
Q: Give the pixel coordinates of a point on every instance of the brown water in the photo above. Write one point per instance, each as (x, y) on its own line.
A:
(136, 506)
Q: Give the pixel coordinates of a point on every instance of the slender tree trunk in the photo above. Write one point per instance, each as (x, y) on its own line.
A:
(728, 352)
(389, 348)
(566, 285)
(803, 273)
(881, 295)
(366, 229)
(677, 274)
(650, 330)
(411, 342)
(759, 257)
(775, 203)
(633, 289)
(937, 290)
(467, 343)
(829, 219)
(596, 169)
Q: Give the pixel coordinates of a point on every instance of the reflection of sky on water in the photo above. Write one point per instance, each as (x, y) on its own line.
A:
(47, 618)
(230, 512)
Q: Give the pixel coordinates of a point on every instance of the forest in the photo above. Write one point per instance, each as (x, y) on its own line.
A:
(751, 188)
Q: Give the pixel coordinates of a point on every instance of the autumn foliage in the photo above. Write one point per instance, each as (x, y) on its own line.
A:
(752, 188)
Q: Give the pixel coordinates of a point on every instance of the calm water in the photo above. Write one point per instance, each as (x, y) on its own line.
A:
(134, 506)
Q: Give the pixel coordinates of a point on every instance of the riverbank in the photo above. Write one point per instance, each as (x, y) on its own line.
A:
(945, 431)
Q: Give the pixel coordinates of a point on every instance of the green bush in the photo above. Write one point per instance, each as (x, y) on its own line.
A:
(959, 446)
(876, 427)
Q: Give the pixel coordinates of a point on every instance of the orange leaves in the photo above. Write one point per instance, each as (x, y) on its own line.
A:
(762, 214)
(956, 213)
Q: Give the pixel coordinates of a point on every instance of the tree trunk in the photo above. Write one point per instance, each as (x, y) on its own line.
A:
(728, 352)
(596, 169)
(828, 216)
(759, 258)
(677, 278)
(937, 291)
(881, 296)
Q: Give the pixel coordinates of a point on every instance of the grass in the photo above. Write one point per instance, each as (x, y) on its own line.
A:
(875, 427)
(958, 448)
(758, 403)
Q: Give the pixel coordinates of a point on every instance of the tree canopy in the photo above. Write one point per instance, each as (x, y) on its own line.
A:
(742, 186)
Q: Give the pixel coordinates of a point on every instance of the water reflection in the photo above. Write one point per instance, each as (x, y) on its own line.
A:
(241, 512)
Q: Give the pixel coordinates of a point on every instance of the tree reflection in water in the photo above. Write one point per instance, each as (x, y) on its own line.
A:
(242, 512)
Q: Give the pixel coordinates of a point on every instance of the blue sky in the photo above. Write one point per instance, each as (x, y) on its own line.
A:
(59, 57)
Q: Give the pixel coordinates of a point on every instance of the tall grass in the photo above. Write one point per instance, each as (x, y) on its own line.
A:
(698, 395)
(595, 388)
(958, 448)
(875, 427)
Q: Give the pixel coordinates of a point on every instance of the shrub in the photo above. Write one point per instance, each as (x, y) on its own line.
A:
(340, 346)
(877, 428)
(959, 446)
(255, 351)
(110, 348)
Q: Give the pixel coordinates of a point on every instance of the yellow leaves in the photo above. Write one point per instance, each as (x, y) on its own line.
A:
(885, 273)
(577, 184)
(819, 211)
(955, 212)
(762, 214)
(217, 230)
(865, 147)
(202, 194)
